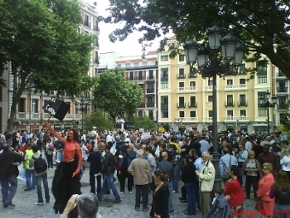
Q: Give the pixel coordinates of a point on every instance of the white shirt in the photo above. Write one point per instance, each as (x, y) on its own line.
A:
(197, 163)
(204, 145)
(248, 146)
(285, 162)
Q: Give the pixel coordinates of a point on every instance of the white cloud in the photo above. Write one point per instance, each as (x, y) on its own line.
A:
(129, 46)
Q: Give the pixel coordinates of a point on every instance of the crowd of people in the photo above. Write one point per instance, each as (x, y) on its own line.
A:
(151, 165)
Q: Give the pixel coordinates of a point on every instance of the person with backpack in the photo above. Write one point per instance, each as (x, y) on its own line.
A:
(39, 164)
(281, 192)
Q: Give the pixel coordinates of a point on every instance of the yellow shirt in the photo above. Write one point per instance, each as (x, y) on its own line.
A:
(177, 147)
(28, 156)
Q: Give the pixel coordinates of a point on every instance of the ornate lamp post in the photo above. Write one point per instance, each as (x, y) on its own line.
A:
(178, 122)
(82, 108)
(265, 103)
(210, 64)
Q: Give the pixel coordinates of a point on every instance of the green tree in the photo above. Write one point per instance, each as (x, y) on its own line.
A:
(40, 40)
(258, 24)
(117, 96)
(144, 122)
(100, 119)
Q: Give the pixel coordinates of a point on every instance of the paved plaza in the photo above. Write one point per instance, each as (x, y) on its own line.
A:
(25, 208)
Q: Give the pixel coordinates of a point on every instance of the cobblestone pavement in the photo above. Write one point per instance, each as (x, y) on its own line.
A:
(25, 207)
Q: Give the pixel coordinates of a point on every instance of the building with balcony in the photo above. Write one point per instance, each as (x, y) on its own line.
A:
(30, 115)
(185, 99)
(281, 90)
(143, 71)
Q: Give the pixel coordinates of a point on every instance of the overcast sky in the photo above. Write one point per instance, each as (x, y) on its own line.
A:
(129, 46)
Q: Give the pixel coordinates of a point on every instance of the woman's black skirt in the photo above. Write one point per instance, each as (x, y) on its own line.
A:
(64, 186)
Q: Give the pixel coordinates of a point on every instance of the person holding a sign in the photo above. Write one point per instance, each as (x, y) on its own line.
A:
(66, 178)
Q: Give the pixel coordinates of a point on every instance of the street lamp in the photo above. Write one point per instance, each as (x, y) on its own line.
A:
(265, 103)
(178, 122)
(82, 108)
(210, 64)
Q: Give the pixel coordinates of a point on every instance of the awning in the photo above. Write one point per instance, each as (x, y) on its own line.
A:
(67, 126)
(260, 124)
(57, 126)
(22, 127)
(34, 127)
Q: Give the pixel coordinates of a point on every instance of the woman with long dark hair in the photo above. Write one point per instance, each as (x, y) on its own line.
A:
(281, 191)
(66, 181)
(189, 178)
(234, 188)
(160, 196)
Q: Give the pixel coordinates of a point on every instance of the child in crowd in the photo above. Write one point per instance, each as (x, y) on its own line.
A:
(218, 192)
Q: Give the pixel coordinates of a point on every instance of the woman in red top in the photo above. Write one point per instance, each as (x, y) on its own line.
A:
(66, 181)
(234, 188)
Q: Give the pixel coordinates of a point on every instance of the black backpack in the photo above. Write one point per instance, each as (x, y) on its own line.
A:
(40, 164)
(284, 196)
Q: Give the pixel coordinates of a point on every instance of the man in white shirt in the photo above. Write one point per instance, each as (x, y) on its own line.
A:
(248, 145)
(198, 160)
(206, 177)
(285, 162)
(204, 145)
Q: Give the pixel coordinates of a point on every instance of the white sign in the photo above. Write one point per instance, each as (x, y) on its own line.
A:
(141, 129)
(145, 135)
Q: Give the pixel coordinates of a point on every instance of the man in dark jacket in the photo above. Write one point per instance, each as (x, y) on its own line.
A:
(9, 162)
(95, 160)
(167, 166)
(108, 172)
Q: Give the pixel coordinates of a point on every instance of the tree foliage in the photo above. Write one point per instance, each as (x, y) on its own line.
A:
(258, 24)
(144, 122)
(100, 119)
(40, 40)
(117, 96)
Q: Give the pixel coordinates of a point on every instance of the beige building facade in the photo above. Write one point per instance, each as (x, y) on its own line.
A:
(185, 99)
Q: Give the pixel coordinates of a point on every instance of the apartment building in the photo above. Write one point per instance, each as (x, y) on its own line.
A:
(281, 90)
(185, 99)
(143, 71)
(30, 114)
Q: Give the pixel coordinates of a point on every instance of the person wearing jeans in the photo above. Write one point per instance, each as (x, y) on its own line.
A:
(8, 193)
(189, 178)
(8, 174)
(109, 183)
(40, 176)
(108, 172)
(30, 177)
(191, 197)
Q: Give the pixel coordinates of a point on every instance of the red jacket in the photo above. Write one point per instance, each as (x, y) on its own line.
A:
(236, 192)
(264, 187)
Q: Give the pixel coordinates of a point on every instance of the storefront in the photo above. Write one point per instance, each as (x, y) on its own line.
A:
(67, 126)
(57, 127)
(22, 128)
(34, 128)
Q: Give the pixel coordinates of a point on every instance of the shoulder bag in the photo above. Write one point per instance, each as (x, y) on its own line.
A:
(226, 175)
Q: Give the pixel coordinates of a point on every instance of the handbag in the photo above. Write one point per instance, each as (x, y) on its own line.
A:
(226, 175)
(22, 175)
(258, 206)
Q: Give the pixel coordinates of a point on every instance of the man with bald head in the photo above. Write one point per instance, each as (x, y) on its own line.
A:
(167, 166)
